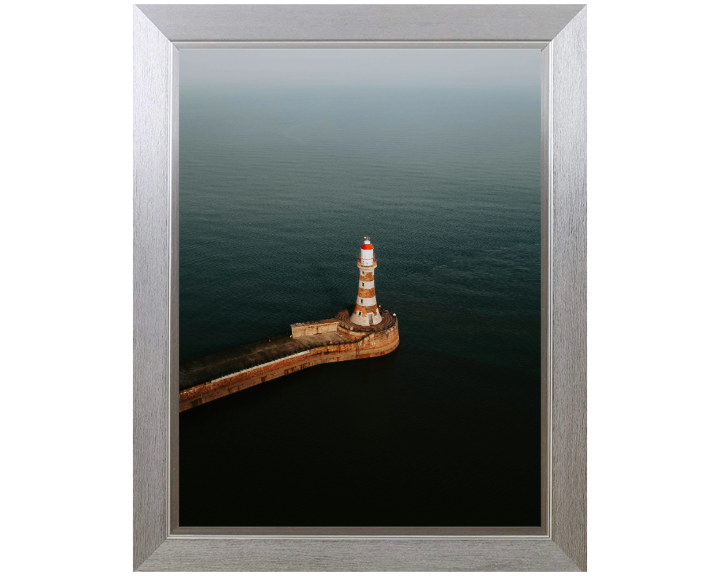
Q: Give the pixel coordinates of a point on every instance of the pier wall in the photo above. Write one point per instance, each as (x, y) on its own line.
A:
(359, 345)
(310, 328)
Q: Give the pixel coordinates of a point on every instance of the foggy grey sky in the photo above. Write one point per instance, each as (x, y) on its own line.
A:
(357, 66)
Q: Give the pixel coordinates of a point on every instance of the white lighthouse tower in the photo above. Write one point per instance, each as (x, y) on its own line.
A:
(366, 311)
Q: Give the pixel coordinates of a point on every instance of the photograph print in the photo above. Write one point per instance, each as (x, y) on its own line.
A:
(360, 288)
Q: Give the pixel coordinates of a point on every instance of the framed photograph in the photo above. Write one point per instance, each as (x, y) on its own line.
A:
(360, 288)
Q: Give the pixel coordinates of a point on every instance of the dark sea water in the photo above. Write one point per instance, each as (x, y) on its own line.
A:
(278, 187)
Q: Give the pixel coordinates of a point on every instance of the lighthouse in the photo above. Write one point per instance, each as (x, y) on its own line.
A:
(366, 311)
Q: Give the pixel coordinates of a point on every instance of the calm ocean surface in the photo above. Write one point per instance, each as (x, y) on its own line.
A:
(278, 186)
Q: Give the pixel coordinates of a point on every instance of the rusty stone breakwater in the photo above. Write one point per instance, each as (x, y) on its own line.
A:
(309, 344)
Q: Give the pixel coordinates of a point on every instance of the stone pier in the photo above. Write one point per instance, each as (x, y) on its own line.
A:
(308, 344)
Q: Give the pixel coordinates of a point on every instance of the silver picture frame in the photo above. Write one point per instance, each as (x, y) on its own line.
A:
(160, 32)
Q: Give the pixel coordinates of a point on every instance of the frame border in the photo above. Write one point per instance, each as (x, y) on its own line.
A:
(159, 32)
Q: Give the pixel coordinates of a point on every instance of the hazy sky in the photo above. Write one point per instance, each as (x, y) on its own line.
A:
(357, 66)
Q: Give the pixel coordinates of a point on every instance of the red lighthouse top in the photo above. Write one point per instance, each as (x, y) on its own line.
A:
(367, 254)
